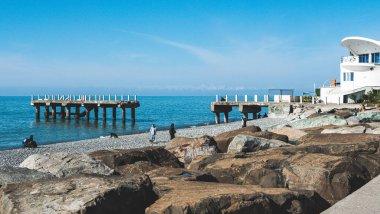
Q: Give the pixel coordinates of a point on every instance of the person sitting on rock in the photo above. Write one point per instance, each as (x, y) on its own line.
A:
(29, 142)
(259, 116)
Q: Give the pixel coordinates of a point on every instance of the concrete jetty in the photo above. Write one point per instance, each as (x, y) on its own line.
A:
(83, 105)
(250, 105)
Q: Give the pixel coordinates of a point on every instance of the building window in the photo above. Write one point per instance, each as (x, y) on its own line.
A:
(348, 76)
(376, 58)
(363, 58)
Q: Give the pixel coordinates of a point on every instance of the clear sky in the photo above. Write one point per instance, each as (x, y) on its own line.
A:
(175, 47)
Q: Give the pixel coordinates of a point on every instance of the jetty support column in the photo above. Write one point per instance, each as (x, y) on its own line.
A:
(113, 113)
(54, 112)
(104, 113)
(246, 109)
(123, 117)
(87, 110)
(133, 115)
(218, 108)
(77, 112)
(38, 112)
(63, 113)
(47, 112)
(96, 113)
(68, 112)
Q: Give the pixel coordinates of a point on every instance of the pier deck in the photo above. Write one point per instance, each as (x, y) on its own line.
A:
(88, 103)
(247, 106)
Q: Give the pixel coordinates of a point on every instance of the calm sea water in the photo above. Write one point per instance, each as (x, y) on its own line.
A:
(17, 119)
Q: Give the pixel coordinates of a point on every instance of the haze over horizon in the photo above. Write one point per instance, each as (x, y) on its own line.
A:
(175, 47)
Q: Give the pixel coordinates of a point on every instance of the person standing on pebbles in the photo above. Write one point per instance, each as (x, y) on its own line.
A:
(152, 132)
(172, 131)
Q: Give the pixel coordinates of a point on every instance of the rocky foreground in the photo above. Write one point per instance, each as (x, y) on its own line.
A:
(304, 165)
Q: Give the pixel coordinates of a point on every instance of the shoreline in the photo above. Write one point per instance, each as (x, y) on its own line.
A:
(14, 156)
(133, 133)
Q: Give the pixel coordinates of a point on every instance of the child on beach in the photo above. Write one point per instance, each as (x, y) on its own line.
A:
(152, 132)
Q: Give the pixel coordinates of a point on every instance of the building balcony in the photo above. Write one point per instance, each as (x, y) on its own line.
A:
(357, 63)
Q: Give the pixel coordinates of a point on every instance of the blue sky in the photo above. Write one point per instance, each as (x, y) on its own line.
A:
(175, 47)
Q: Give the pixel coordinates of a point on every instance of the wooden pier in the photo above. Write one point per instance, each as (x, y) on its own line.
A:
(83, 105)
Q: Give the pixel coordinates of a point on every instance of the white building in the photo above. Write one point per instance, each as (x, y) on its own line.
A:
(359, 72)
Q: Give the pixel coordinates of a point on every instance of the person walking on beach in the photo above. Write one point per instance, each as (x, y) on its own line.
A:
(172, 131)
(243, 122)
(152, 132)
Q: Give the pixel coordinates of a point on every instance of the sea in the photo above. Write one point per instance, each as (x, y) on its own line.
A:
(17, 119)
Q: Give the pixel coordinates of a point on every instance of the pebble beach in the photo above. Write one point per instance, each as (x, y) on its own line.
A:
(14, 157)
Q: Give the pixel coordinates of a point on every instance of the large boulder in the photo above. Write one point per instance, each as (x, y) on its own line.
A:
(136, 161)
(11, 175)
(66, 164)
(224, 139)
(345, 130)
(246, 143)
(323, 120)
(79, 194)
(293, 134)
(333, 177)
(181, 174)
(369, 116)
(186, 149)
(203, 197)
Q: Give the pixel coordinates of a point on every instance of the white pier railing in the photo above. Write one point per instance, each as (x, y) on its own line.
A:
(83, 98)
(266, 98)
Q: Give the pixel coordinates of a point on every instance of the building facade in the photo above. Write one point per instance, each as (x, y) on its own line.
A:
(359, 71)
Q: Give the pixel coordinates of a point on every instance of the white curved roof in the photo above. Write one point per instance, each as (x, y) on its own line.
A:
(361, 45)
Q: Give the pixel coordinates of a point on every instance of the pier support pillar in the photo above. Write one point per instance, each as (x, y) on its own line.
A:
(38, 112)
(68, 112)
(96, 113)
(123, 117)
(88, 109)
(217, 118)
(77, 112)
(225, 116)
(254, 115)
(47, 112)
(54, 112)
(133, 115)
(63, 113)
(104, 113)
(113, 113)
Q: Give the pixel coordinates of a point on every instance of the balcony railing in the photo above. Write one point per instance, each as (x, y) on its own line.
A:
(349, 59)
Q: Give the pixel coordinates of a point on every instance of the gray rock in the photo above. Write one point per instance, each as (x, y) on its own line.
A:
(353, 120)
(10, 175)
(345, 130)
(369, 116)
(246, 143)
(279, 110)
(373, 131)
(64, 164)
(79, 194)
(323, 120)
(308, 113)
